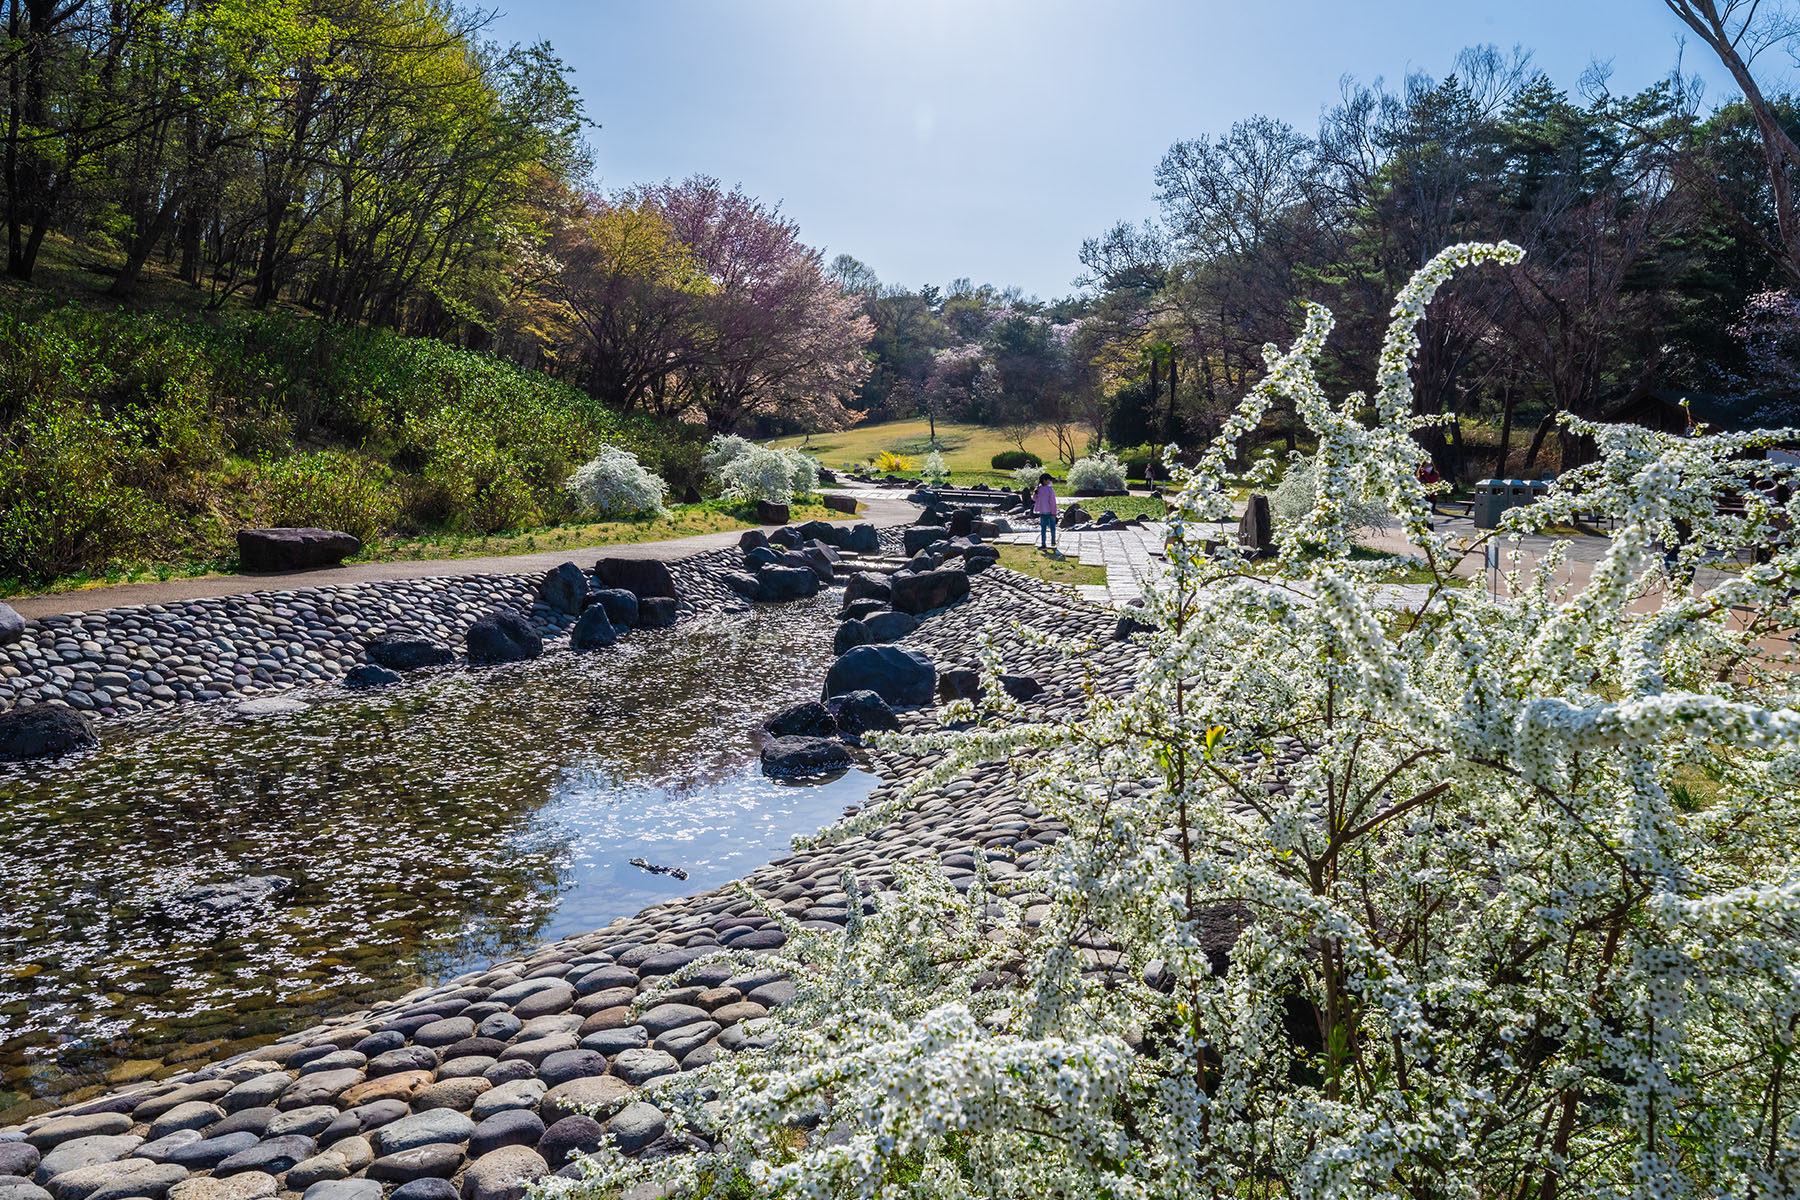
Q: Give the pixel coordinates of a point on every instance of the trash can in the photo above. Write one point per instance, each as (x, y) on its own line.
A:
(1492, 497)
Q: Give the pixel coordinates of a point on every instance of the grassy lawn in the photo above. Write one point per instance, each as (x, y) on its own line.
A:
(1126, 507)
(968, 450)
(1029, 560)
(682, 520)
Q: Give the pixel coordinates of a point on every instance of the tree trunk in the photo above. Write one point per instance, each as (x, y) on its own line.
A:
(1169, 425)
(1505, 432)
(1537, 438)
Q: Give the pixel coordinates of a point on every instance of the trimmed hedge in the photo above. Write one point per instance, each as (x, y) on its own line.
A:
(1012, 460)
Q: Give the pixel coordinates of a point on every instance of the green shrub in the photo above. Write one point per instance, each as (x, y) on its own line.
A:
(333, 489)
(1012, 460)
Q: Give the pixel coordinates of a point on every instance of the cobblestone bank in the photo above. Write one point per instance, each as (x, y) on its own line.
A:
(464, 1088)
(127, 660)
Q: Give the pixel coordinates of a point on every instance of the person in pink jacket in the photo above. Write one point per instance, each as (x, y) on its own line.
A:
(1043, 503)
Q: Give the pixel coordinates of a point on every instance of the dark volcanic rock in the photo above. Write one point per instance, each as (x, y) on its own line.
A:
(771, 514)
(503, 636)
(564, 588)
(642, 577)
(929, 589)
(896, 674)
(743, 583)
(408, 653)
(593, 629)
(920, 536)
(293, 549)
(368, 675)
(804, 756)
(750, 539)
(787, 583)
(856, 610)
(802, 720)
(843, 504)
(857, 713)
(1129, 625)
(657, 612)
(866, 585)
(44, 731)
(1256, 531)
(621, 606)
(12, 625)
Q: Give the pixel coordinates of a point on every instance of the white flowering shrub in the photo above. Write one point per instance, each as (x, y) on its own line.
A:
(1298, 491)
(1492, 898)
(759, 473)
(803, 472)
(1027, 477)
(721, 450)
(615, 484)
(934, 470)
(1100, 472)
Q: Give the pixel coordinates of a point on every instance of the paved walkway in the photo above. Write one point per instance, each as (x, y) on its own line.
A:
(889, 509)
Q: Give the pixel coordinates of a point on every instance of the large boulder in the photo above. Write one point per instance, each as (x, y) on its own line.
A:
(843, 504)
(788, 756)
(917, 537)
(862, 538)
(928, 590)
(1072, 516)
(857, 713)
(786, 536)
(503, 636)
(856, 610)
(758, 557)
(820, 531)
(743, 583)
(820, 562)
(408, 653)
(809, 720)
(593, 630)
(866, 585)
(657, 612)
(621, 606)
(750, 539)
(962, 522)
(885, 626)
(293, 549)
(12, 625)
(44, 731)
(564, 589)
(788, 583)
(896, 674)
(771, 514)
(642, 577)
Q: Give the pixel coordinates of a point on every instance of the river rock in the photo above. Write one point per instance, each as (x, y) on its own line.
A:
(61, 1129)
(320, 1087)
(368, 675)
(44, 731)
(230, 896)
(514, 1127)
(520, 1093)
(85, 1152)
(603, 1094)
(898, 675)
(18, 1158)
(502, 1174)
(438, 1160)
(274, 1155)
(563, 589)
(422, 1129)
(247, 1185)
(564, 1065)
(294, 549)
(579, 1133)
(209, 1152)
(132, 1177)
(12, 625)
(14, 1187)
(791, 756)
(636, 1126)
(408, 653)
(425, 1189)
(503, 636)
(456, 1092)
(195, 1115)
(927, 590)
(345, 1189)
(642, 577)
(780, 584)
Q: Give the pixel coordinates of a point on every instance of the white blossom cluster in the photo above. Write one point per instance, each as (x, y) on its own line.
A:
(747, 472)
(1495, 898)
(615, 484)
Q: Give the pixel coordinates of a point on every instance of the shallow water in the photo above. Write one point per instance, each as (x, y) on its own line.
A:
(425, 829)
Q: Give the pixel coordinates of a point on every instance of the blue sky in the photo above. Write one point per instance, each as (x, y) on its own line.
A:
(986, 138)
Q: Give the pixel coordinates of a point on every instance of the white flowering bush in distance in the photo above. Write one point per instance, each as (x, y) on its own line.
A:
(934, 470)
(1522, 920)
(721, 450)
(1101, 472)
(1297, 493)
(1027, 477)
(747, 472)
(615, 484)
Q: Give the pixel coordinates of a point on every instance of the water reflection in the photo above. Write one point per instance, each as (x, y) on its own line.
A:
(417, 831)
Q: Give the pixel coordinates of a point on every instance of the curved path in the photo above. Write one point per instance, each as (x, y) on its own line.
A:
(881, 512)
